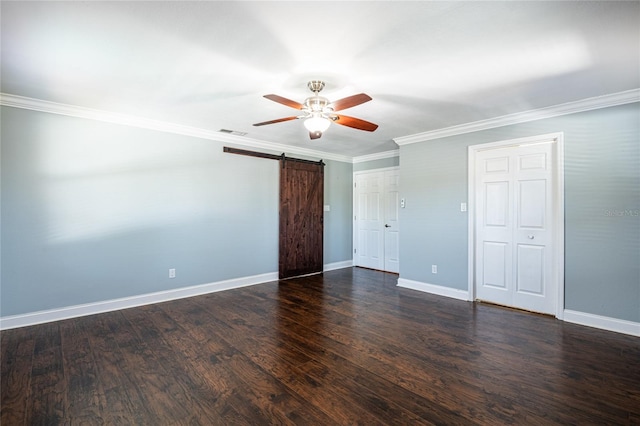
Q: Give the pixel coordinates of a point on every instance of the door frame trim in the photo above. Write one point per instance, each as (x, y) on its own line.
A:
(558, 213)
(354, 240)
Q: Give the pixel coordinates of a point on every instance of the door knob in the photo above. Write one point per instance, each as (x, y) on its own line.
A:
(530, 237)
(387, 226)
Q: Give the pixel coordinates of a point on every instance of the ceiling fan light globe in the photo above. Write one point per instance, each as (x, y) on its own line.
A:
(317, 124)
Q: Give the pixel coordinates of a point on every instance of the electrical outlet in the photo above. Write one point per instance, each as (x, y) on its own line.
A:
(172, 273)
(434, 269)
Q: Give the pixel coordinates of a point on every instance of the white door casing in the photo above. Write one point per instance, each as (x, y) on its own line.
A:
(376, 225)
(516, 224)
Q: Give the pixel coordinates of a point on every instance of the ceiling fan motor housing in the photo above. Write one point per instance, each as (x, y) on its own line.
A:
(317, 104)
(315, 86)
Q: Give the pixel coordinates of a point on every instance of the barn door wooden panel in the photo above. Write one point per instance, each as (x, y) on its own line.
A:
(301, 218)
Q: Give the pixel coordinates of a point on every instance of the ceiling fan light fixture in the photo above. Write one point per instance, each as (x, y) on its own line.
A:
(317, 123)
(318, 112)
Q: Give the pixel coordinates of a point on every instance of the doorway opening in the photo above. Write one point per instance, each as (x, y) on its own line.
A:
(376, 228)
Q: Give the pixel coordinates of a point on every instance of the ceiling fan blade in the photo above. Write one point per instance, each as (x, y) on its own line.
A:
(356, 123)
(350, 101)
(284, 101)
(315, 135)
(278, 120)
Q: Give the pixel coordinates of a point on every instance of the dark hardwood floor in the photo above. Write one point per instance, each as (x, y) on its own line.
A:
(344, 347)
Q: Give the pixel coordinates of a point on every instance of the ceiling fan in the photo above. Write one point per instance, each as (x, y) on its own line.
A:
(318, 112)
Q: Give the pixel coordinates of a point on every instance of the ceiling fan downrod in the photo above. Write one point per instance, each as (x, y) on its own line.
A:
(316, 105)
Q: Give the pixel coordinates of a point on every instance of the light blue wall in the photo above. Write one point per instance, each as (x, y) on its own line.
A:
(338, 225)
(93, 211)
(602, 208)
(377, 164)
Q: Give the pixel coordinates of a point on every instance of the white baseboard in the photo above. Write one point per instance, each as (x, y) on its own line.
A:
(33, 318)
(40, 317)
(604, 323)
(434, 289)
(338, 265)
(581, 318)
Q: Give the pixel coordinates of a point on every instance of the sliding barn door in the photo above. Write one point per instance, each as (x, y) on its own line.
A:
(301, 218)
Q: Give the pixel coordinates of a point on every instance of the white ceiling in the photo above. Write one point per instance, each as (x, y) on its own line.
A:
(427, 65)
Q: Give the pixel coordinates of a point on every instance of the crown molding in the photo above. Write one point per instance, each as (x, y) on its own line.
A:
(376, 156)
(605, 101)
(33, 104)
(621, 98)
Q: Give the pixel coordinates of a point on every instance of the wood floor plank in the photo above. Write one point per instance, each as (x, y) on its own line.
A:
(175, 356)
(342, 347)
(153, 384)
(270, 395)
(48, 392)
(15, 372)
(242, 370)
(323, 358)
(524, 379)
(124, 403)
(86, 401)
(379, 355)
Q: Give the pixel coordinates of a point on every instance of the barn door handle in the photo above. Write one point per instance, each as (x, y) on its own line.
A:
(387, 226)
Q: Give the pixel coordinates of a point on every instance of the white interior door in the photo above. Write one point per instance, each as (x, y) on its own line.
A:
(391, 222)
(376, 225)
(369, 225)
(514, 227)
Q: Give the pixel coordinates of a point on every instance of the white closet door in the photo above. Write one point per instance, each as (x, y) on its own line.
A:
(369, 220)
(391, 222)
(376, 224)
(514, 227)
